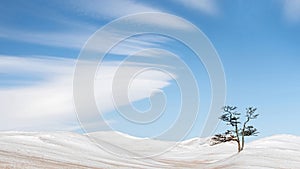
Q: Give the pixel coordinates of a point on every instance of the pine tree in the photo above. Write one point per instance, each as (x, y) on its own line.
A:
(237, 133)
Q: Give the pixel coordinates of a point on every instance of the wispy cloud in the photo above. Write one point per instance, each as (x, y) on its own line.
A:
(292, 10)
(109, 9)
(62, 39)
(48, 104)
(76, 40)
(73, 33)
(205, 6)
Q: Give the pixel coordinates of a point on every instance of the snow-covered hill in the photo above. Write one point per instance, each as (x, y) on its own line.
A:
(278, 152)
(51, 150)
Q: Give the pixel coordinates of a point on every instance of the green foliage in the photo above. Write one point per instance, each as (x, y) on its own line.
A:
(239, 130)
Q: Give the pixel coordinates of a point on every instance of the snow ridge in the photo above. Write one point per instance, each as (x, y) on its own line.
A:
(51, 150)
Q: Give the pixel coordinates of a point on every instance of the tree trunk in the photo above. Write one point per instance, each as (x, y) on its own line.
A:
(243, 140)
(239, 145)
(237, 138)
(243, 133)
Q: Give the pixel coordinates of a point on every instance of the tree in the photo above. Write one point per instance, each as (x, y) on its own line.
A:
(239, 130)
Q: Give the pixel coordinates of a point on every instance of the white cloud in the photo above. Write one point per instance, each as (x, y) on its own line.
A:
(77, 40)
(73, 39)
(109, 9)
(131, 45)
(205, 6)
(162, 22)
(74, 33)
(292, 10)
(140, 87)
(48, 104)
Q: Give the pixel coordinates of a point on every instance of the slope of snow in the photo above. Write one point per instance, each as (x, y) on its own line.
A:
(45, 150)
(279, 151)
(70, 150)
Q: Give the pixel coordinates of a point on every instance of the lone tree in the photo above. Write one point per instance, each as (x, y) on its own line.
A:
(239, 130)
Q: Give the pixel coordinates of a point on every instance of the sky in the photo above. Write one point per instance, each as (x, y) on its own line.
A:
(40, 41)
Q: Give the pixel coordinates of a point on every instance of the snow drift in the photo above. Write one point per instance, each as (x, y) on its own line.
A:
(51, 150)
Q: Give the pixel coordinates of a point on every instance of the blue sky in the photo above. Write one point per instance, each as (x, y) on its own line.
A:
(257, 42)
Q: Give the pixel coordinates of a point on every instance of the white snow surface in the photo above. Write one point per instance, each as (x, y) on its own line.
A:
(65, 150)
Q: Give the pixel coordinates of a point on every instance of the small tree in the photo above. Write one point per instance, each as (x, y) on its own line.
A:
(237, 133)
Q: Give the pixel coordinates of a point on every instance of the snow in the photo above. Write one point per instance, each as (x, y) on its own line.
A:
(117, 150)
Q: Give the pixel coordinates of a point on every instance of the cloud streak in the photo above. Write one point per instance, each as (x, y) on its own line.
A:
(48, 104)
(109, 9)
(206, 6)
(74, 33)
